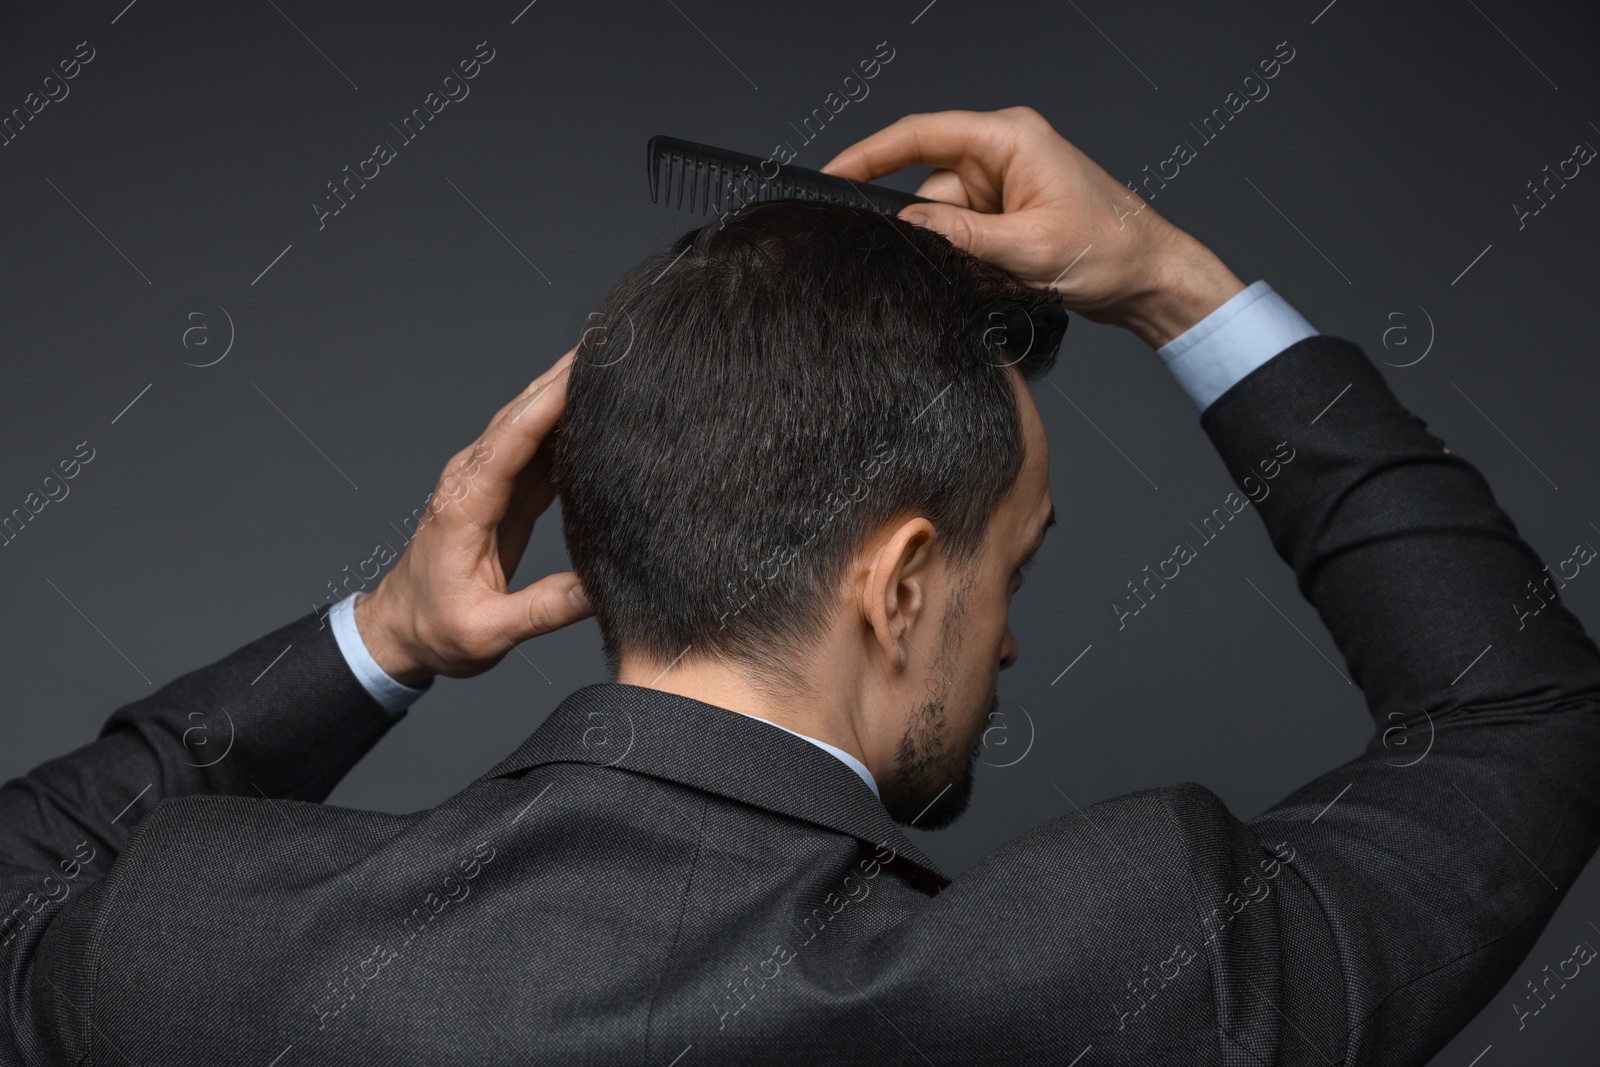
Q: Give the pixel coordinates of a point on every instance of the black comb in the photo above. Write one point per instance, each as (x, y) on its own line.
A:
(700, 178)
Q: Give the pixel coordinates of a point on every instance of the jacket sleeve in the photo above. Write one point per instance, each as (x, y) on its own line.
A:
(1367, 917)
(1424, 870)
(282, 717)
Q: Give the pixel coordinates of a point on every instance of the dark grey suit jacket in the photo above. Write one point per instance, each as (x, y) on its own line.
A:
(651, 880)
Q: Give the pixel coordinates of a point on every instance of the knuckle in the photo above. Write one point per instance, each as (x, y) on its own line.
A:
(541, 616)
(453, 464)
(1036, 240)
(962, 232)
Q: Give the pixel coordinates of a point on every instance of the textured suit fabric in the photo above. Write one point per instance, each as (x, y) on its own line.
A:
(653, 880)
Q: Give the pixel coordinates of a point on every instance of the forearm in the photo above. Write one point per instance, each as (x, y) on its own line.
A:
(1398, 543)
(1439, 853)
(281, 717)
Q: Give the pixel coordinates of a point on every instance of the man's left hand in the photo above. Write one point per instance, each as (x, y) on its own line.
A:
(445, 608)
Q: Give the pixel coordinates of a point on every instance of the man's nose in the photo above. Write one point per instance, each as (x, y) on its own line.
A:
(1008, 651)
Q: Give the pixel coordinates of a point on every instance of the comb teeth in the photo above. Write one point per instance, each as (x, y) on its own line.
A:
(702, 179)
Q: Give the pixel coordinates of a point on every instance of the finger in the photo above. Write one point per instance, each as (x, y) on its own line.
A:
(552, 602)
(490, 468)
(533, 494)
(939, 139)
(512, 407)
(556, 371)
(989, 237)
(946, 186)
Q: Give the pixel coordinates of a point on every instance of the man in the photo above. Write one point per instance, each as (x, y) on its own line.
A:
(801, 472)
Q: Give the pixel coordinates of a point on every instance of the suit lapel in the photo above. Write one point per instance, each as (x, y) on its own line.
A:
(720, 752)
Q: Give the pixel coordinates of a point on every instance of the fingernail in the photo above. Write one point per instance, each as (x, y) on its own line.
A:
(578, 599)
(919, 219)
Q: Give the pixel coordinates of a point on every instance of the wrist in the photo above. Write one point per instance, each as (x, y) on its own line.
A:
(384, 632)
(1187, 283)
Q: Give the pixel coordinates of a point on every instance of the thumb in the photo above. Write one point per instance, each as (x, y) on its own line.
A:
(969, 230)
(552, 602)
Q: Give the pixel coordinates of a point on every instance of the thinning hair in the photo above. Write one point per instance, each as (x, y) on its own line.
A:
(754, 402)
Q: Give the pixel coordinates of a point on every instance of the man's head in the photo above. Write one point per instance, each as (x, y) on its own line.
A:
(799, 445)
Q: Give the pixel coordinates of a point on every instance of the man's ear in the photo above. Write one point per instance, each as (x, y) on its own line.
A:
(893, 585)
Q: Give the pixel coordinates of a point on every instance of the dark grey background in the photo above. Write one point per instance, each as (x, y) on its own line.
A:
(1383, 163)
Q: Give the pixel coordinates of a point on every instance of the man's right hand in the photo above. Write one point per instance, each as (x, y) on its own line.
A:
(1019, 196)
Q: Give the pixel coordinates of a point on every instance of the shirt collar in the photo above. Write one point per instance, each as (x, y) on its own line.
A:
(718, 751)
(849, 760)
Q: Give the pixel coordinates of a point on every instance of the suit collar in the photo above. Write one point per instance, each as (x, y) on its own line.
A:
(717, 751)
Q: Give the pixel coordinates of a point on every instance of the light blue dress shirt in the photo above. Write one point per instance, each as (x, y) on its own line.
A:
(1206, 360)
(396, 698)
(390, 694)
(1249, 328)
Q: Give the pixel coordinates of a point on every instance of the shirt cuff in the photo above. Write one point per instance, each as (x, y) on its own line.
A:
(1250, 328)
(390, 694)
